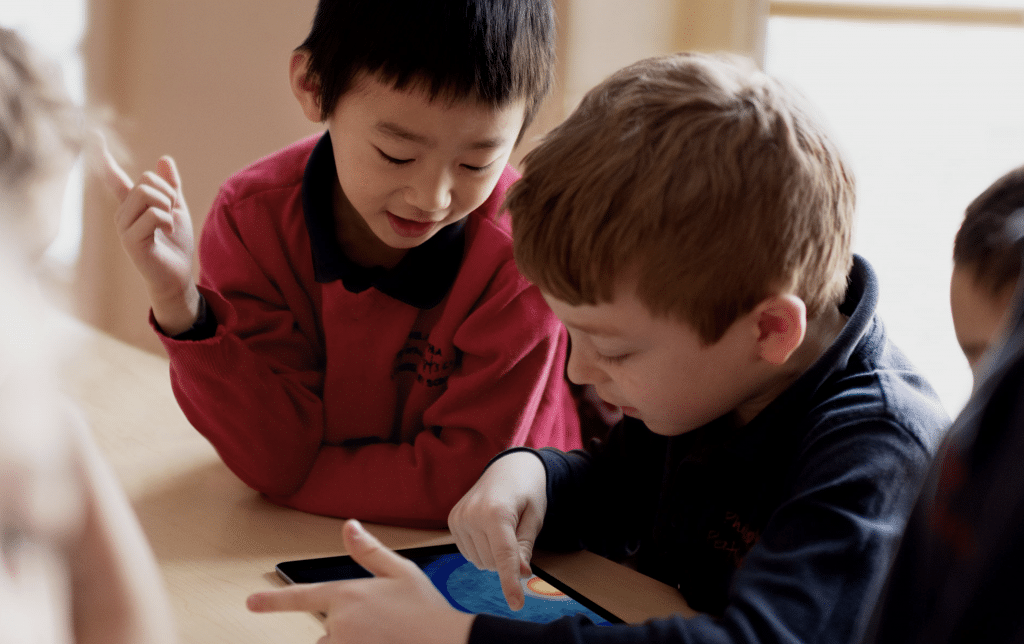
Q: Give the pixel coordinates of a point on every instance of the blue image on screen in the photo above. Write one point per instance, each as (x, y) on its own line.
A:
(471, 590)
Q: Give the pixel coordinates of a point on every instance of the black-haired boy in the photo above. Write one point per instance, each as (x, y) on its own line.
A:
(361, 343)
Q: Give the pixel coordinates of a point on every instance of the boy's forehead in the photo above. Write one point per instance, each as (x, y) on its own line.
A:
(402, 113)
(367, 81)
(399, 131)
(623, 315)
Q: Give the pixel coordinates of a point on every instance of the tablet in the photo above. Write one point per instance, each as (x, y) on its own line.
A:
(466, 587)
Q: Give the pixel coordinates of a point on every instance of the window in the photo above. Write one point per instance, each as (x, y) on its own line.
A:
(928, 106)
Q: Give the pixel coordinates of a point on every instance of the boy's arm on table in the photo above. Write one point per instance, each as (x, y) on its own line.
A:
(504, 387)
(255, 391)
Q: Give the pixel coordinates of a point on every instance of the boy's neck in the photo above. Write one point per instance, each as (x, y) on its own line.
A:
(822, 332)
(359, 243)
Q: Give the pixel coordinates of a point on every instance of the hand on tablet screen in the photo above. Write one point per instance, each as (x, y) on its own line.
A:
(496, 523)
(399, 604)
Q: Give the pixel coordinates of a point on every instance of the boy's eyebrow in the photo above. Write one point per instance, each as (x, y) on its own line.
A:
(596, 329)
(397, 131)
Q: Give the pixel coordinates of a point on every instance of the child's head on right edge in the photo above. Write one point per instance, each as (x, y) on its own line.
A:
(493, 51)
(704, 180)
(987, 263)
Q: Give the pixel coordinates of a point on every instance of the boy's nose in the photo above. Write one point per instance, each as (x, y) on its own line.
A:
(580, 368)
(431, 191)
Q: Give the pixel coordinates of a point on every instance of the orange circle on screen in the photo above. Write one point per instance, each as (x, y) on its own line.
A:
(543, 588)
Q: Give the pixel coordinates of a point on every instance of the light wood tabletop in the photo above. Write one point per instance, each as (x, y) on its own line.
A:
(217, 541)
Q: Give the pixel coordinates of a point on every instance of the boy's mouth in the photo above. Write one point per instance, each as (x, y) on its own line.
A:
(408, 227)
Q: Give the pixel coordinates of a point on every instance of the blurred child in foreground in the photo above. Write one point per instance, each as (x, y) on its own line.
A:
(690, 224)
(75, 565)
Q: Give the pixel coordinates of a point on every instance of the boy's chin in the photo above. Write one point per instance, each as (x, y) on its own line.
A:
(632, 412)
(666, 428)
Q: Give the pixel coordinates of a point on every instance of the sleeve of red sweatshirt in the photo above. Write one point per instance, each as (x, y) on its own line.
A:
(256, 389)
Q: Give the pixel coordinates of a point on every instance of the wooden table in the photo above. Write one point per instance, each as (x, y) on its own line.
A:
(217, 541)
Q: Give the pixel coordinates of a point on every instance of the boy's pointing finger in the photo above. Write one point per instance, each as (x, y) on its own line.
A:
(370, 553)
(168, 171)
(307, 598)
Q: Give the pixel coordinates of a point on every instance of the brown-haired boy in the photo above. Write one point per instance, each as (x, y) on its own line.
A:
(690, 224)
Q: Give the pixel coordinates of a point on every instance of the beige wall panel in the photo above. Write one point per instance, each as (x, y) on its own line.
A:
(552, 110)
(205, 82)
(738, 26)
(604, 35)
(600, 36)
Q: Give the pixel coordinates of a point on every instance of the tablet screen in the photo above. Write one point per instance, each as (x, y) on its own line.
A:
(466, 587)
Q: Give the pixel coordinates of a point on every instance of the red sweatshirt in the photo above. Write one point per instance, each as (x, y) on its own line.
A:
(365, 393)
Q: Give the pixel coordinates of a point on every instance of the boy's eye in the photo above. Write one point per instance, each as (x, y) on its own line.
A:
(476, 168)
(391, 159)
(613, 360)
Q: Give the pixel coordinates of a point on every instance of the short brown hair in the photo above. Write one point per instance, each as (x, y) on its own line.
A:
(991, 238)
(700, 176)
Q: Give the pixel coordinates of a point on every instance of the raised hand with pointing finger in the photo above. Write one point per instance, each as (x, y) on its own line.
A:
(155, 229)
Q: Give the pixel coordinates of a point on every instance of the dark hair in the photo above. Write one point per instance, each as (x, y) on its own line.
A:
(991, 237)
(496, 51)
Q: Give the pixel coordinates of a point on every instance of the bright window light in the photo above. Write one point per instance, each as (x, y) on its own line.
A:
(929, 115)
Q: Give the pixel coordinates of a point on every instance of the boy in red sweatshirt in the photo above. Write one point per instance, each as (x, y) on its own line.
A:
(360, 342)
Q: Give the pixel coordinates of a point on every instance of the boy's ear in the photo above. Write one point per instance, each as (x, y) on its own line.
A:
(304, 86)
(782, 324)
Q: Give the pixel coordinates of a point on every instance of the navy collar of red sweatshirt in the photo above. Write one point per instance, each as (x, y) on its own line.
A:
(421, 279)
